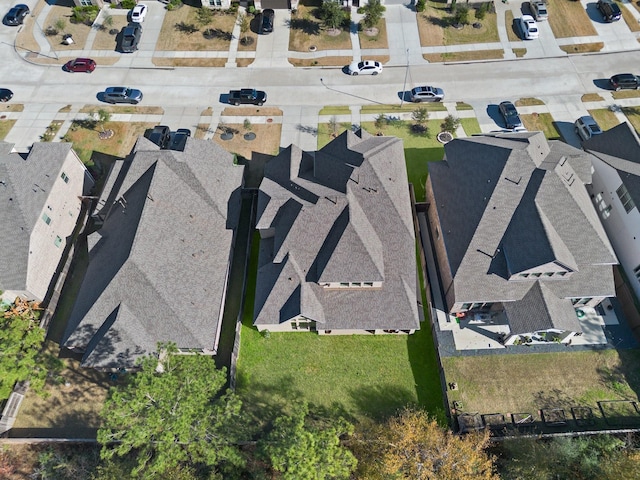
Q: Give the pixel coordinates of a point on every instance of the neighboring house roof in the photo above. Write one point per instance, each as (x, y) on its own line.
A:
(513, 204)
(341, 214)
(619, 147)
(158, 265)
(25, 186)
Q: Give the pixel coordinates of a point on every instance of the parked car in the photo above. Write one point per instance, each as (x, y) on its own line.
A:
(539, 10)
(587, 127)
(426, 94)
(16, 15)
(122, 95)
(366, 67)
(5, 94)
(510, 115)
(625, 81)
(529, 27)
(266, 25)
(178, 139)
(138, 13)
(160, 135)
(85, 65)
(609, 10)
(131, 38)
(247, 96)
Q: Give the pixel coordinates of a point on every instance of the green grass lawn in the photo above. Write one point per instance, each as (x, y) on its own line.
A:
(542, 122)
(470, 126)
(605, 118)
(358, 376)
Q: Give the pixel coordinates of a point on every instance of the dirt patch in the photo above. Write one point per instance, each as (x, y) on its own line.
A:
(105, 40)
(181, 31)
(189, 62)
(320, 61)
(201, 130)
(582, 47)
(528, 101)
(267, 140)
(244, 62)
(591, 97)
(11, 107)
(251, 112)
(464, 56)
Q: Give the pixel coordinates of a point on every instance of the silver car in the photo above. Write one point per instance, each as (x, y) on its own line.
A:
(539, 10)
(426, 94)
(122, 95)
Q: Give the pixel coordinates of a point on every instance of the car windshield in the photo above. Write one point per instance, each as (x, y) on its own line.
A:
(361, 65)
(510, 110)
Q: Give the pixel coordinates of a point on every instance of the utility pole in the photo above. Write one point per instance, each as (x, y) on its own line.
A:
(404, 87)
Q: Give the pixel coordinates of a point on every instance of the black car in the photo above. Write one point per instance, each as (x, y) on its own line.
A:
(160, 135)
(267, 21)
(16, 15)
(510, 115)
(609, 10)
(5, 94)
(178, 139)
(130, 38)
(625, 81)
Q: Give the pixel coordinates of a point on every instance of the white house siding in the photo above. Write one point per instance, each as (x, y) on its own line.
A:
(63, 208)
(623, 229)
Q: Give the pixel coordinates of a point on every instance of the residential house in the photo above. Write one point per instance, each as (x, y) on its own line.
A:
(158, 265)
(515, 234)
(41, 198)
(615, 192)
(337, 240)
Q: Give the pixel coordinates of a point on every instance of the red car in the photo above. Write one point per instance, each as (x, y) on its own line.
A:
(80, 65)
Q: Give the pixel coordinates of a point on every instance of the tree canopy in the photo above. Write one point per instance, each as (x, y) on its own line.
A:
(332, 14)
(172, 414)
(20, 343)
(413, 445)
(303, 449)
(373, 12)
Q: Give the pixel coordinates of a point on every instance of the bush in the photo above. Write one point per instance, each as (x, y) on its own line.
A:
(174, 4)
(85, 15)
(481, 11)
(420, 5)
(461, 15)
(127, 4)
(450, 124)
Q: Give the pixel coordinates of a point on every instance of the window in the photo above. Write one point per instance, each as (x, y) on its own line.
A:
(64, 177)
(294, 326)
(46, 218)
(548, 274)
(524, 275)
(536, 275)
(368, 284)
(57, 242)
(356, 284)
(85, 3)
(625, 198)
(344, 284)
(466, 306)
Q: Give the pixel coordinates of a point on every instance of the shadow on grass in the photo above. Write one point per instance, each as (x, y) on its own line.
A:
(381, 401)
(417, 160)
(305, 25)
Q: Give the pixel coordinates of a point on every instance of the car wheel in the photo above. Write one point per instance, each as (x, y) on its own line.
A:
(355, 74)
(260, 104)
(374, 73)
(438, 99)
(617, 89)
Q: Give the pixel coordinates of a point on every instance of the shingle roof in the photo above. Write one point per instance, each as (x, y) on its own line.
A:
(158, 269)
(513, 203)
(341, 214)
(25, 185)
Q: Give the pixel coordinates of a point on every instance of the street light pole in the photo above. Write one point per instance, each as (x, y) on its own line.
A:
(404, 87)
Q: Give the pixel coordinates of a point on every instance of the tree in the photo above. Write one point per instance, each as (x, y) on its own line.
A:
(21, 340)
(332, 14)
(302, 449)
(450, 123)
(420, 116)
(243, 23)
(172, 415)
(103, 117)
(373, 11)
(461, 15)
(413, 445)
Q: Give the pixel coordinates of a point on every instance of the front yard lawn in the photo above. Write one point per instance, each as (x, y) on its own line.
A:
(181, 31)
(541, 122)
(569, 19)
(306, 31)
(605, 118)
(375, 38)
(360, 376)
(527, 383)
(435, 26)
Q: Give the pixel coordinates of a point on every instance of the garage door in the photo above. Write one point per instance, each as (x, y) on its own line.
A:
(276, 4)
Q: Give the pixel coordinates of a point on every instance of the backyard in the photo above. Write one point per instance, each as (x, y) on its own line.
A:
(359, 376)
(527, 383)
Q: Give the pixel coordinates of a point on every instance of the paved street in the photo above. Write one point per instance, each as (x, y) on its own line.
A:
(546, 72)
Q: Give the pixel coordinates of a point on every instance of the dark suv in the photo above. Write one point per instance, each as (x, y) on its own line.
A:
(625, 80)
(130, 38)
(267, 21)
(609, 10)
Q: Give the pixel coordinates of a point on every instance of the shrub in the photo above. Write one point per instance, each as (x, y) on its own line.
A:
(481, 11)
(85, 15)
(127, 4)
(420, 5)
(450, 124)
(174, 4)
(205, 16)
(461, 15)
